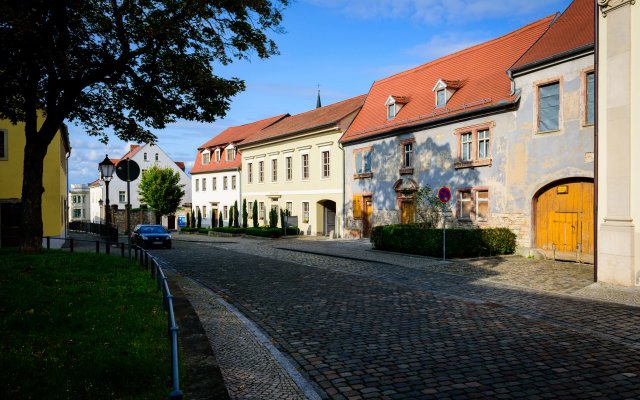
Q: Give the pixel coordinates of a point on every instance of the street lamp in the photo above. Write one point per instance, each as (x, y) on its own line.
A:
(106, 168)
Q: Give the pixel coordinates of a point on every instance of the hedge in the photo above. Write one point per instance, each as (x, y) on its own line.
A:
(227, 229)
(414, 239)
(264, 232)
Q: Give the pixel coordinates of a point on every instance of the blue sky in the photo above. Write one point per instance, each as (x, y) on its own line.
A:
(341, 45)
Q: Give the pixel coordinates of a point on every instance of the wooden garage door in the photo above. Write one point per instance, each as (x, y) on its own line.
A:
(564, 222)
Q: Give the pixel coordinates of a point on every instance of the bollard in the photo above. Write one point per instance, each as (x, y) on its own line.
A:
(71, 245)
(107, 248)
(48, 242)
(97, 247)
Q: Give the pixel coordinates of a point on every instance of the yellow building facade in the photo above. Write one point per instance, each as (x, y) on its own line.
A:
(54, 198)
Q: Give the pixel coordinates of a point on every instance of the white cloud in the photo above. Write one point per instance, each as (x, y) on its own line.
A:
(448, 43)
(436, 11)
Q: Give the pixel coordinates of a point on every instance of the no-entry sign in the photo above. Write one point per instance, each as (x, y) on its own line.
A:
(444, 194)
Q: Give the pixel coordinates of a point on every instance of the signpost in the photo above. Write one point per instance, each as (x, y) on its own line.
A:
(128, 170)
(444, 194)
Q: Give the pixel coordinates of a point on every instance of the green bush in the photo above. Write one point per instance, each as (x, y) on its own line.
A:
(414, 239)
(293, 230)
(187, 229)
(226, 229)
(264, 232)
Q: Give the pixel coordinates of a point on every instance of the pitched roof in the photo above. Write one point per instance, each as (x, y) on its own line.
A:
(133, 149)
(571, 31)
(306, 121)
(234, 134)
(180, 165)
(482, 68)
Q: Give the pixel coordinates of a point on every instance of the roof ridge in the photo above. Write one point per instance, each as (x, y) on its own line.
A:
(274, 117)
(327, 106)
(459, 53)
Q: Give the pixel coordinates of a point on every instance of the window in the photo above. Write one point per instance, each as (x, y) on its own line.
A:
(289, 206)
(407, 152)
(226, 212)
(122, 196)
(214, 183)
(274, 170)
(473, 204)
(233, 182)
(325, 164)
(482, 205)
(305, 212)
(391, 111)
(197, 185)
(549, 107)
(261, 211)
(217, 155)
(305, 166)
(589, 101)
(145, 157)
(206, 158)
(465, 142)
(204, 211)
(261, 171)
(225, 183)
(231, 154)
(4, 144)
(289, 167)
(483, 144)
(250, 172)
(474, 146)
(441, 98)
(157, 158)
(363, 162)
(204, 184)
(465, 204)
(77, 213)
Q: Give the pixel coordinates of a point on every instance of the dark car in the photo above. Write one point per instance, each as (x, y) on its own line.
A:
(147, 236)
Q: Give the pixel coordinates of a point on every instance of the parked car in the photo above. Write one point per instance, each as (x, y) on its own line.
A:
(147, 236)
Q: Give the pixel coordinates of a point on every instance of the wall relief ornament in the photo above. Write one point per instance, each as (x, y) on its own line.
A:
(606, 6)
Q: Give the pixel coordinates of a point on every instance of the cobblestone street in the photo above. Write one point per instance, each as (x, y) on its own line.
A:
(360, 324)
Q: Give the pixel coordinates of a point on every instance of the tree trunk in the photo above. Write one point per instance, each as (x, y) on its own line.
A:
(32, 189)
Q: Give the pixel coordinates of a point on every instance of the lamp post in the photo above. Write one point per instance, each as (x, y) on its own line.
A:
(106, 168)
(100, 203)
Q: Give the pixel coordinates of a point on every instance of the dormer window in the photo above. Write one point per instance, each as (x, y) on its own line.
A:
(231, 154)
(444, 90)
(206, 157)
(441, 98)
(217, 155)
(394, 104)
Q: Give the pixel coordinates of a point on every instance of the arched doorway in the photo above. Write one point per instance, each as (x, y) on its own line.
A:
(563, 220)
(328, 216)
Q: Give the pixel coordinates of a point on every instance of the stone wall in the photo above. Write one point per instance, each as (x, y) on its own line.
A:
(138, 216)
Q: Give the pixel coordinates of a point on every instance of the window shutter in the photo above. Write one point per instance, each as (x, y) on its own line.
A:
(357, 206)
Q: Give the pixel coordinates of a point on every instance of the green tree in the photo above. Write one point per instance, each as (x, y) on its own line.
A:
(193, 219)
(119, 66)
(199, 220)
(273, 218)
(188, 220)
(160, 188)
(245, 214)
(220, 220)
(230, 216)
(235, 215)
(255, 214)
(428, 207)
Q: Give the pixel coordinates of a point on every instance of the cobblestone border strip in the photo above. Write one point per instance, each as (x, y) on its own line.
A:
(303, 385)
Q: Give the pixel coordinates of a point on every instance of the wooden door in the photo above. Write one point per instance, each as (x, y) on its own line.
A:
(171, 222)
(564, 222)
(367, 211)
(408, 210)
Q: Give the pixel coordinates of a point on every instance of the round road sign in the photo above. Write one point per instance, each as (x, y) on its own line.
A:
(444, 194)
(127, 170)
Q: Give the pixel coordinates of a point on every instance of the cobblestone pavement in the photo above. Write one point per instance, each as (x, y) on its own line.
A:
(381, 325)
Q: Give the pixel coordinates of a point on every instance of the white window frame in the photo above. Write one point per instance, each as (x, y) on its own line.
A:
(289, 207)
(225, 183)
(274, 170)
(122, 196)
(261, 211)
(407, 155)
(214, 183)
(232, 151)
(368, 151)
(197, 185)
(261, 171)
(204, 212)
(250, 172)
(481, 200)
(206, 157)
(441, 98)
(326, 175)
(461, 200)
(233, 182)
(217, 155)
(225, 213)
(304, 167)
(484, 143)
(391, 111)
(306, 213)
(288, 161)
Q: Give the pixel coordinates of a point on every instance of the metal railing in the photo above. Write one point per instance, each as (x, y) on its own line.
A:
(149, 262)
(105, 230)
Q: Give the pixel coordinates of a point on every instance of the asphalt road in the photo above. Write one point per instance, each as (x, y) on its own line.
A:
(364, 329)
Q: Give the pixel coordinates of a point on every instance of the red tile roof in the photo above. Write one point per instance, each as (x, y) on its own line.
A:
(573, 30)
(306, 121)
(482, 69)
(180, 165)
(234, 134)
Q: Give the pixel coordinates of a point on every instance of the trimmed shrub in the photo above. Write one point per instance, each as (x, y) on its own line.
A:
(226, 229)
(245, 214)
(414, 239)
(293, 230)
(264, 232)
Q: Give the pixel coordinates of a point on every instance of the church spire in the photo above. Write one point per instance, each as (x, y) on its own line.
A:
(318, 103)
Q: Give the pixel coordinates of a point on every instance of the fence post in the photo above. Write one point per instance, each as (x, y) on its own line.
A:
(48, 242)
(97, 246)
(108, 247)
(122, 250)
(71, 245)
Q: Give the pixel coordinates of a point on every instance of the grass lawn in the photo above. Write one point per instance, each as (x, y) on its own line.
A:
(80, 326)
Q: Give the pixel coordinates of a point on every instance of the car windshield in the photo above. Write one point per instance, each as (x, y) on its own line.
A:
(152, 229)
